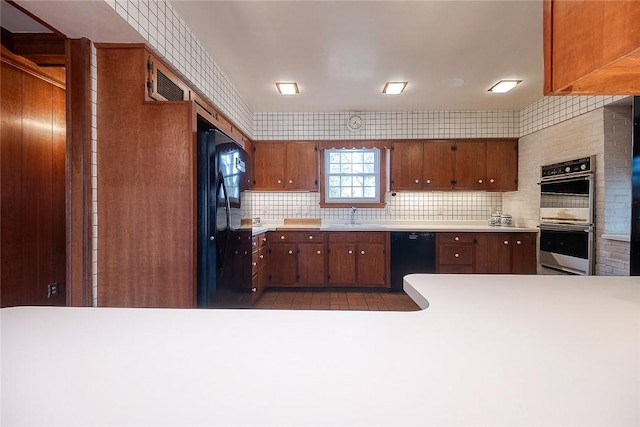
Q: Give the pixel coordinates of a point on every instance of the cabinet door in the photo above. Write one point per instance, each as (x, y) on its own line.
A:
(406, 166)
(502, 165)
(523, 253)
(342, 264)
(311, 264)
(268, 165)
(470, 165)
(371, 264)
(437, 165)
(283, 259)
(493, 253)
(301, 168)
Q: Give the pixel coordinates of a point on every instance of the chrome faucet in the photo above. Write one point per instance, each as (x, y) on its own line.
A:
(353, 215)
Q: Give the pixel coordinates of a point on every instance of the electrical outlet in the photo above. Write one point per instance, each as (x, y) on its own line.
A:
(52, 290)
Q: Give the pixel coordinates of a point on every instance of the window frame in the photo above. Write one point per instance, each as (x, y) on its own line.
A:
(382, 176)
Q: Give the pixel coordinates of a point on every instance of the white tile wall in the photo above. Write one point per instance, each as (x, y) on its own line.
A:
(422, 206)
(552, 110)
(398, 125)
(94, 174)
(168, 35)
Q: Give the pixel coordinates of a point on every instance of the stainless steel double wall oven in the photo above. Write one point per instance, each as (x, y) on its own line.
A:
(567, 216)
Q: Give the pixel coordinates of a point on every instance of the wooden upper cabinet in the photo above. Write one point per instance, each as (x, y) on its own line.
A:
(470, 165)
(406, 166)
(301, 166)
(502, 165)
(285, 166)
(591, 47)
(268, 165)
(455, 164)
(438, 165)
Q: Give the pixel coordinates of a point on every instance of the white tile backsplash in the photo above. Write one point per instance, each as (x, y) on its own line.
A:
(405, 206)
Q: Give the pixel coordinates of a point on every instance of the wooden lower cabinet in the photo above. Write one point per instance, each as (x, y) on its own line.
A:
(259, 268)
(523, 253)
(283, 260)
(314, 259)
(311, 264)
(486, 253)
(297, 258)
(358, 259)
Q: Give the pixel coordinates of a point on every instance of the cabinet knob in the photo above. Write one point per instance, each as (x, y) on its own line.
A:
(264, 239)
(281, 237)
(212, 237)
(279, 181)
(506, 242)
(310, 237)
(428, 181)
(417, 181)
(254, 263)
(456, 238)
(479, 181)
(290, 252)
(290, 181)
(518, 242)
(253, 289)
(261, 256)
(254, 243)
(456, 255)
(362, 252)
(319, 252)
(350, 252)
(492, 180)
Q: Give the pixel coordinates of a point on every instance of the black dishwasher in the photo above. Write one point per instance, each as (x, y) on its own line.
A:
(411, 252)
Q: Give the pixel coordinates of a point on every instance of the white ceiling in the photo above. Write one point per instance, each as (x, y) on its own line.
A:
(342, 52)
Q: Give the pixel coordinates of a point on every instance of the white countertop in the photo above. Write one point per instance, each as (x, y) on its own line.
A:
(488, 350)
(424, 226)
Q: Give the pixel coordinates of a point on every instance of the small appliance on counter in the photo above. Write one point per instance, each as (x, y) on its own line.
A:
(500, 219)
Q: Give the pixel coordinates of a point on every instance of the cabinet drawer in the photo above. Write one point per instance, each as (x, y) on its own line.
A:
(259, 241)
(258, 259)
(310, 236)
(455, 254)
(358, 237)
(282, 236)
(450, 238)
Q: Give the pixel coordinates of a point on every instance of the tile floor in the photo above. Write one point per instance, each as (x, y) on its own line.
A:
(336, 300)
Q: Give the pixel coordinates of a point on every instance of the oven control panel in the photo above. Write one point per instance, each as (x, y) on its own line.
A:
(584, 165)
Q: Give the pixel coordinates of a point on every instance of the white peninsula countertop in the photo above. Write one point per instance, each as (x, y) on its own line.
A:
(488, 350)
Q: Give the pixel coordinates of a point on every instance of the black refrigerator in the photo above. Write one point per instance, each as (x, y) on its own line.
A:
(224, 244)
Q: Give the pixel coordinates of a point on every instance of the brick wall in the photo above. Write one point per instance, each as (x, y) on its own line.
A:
(605, 133)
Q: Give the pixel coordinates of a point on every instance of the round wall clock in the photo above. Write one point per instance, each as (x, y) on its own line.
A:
(354, 122)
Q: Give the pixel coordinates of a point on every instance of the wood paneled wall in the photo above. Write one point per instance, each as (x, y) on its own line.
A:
(146, 189)
(32, 186)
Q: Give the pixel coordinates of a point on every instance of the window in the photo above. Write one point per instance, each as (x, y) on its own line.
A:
(352, 176)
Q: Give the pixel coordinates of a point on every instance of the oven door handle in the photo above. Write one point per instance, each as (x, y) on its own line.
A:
(566, 227)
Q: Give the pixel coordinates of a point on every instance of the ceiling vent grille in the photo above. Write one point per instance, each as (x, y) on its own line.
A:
(167, 88)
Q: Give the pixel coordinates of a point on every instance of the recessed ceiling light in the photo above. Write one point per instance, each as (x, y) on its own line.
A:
(287, 88)
(394, 88)
(504, 86)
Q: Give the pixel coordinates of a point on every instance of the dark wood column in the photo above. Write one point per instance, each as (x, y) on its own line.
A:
(79, 230)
